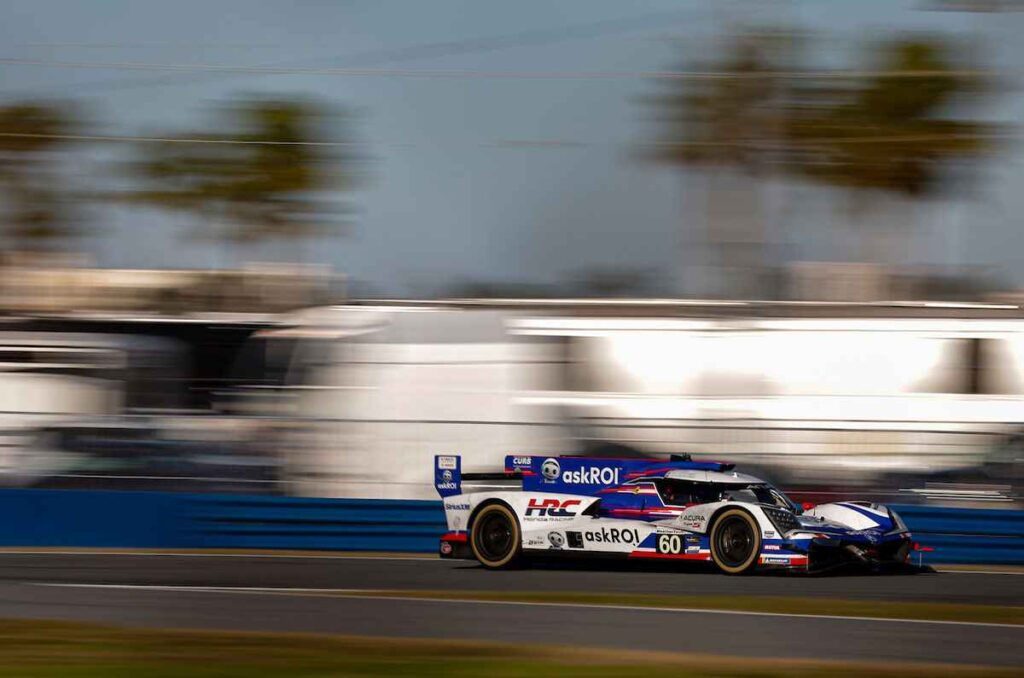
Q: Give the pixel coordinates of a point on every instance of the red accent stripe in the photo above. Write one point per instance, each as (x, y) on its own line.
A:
(455, 536)
(650, 488)
(613, 459)
(673, 556)
(663, 510)
(649, 472)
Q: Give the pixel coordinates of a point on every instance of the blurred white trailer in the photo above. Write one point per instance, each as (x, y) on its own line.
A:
(46, 377)
(840, 399)
(379, 390)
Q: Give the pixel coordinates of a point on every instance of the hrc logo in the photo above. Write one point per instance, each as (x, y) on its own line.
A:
(552, 508)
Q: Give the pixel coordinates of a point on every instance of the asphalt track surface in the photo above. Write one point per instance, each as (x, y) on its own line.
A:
(292, 593)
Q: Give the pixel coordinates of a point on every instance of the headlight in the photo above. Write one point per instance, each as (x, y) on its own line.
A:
(785, 521)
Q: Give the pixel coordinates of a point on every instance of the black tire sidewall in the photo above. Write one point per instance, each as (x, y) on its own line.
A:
(751, 563)
(516, 536)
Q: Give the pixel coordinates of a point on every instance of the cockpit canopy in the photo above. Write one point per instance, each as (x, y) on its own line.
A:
(679, 492)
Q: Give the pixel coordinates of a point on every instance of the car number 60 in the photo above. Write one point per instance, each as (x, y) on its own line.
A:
(670, 543)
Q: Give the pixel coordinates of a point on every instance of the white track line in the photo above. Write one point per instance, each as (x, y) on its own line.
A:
(151, 554)
(945, 571)
(373, 594)
(339, 556)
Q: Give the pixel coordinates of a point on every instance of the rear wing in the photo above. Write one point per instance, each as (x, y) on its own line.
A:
(448, 475)
(573, 475)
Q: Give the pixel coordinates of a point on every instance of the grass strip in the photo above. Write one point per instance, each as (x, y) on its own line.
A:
(41, 649)
(992, 614)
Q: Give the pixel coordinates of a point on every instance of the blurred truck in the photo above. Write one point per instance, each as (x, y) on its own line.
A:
(826, 401)
(378, 391)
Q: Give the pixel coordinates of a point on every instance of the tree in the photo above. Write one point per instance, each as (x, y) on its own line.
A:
(268, 171)
(898, 131)
(891, 129)
(36, 205)
(724, 117)
(722, 113)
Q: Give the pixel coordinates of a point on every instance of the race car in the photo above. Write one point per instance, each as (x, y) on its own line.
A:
(676, 509)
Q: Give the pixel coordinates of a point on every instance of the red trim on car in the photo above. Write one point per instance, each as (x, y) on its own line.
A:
(673, 556)
(456, 536)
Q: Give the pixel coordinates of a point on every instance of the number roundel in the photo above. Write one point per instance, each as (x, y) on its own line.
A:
(670, 544)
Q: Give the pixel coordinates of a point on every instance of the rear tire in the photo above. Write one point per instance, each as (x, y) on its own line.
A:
(735, 542)
(495, 538)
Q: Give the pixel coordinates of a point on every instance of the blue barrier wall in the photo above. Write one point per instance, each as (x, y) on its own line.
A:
(967, 535)
(86, 518)
(225, 521)
(81, 518)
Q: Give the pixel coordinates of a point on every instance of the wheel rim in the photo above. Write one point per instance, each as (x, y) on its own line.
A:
(734, 541)
(494, 537)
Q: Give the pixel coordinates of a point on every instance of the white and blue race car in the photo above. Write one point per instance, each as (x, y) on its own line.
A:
(655, 509)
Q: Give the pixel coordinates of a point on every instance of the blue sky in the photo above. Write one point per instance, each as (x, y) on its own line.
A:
(446, 200)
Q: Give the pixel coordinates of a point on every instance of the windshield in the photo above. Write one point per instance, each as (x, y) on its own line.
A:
(761, 493)
(687, 493)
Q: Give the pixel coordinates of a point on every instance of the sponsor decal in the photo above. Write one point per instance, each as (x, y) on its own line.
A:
(550, 469)
(536, 541)
(775, 560)
(769, 534)
(521, 461)
(446, 486)
(575, 539)
(446, 548)
(612, 535)
(592, 475)
(772, 547)
(552, 508)
(695, 520)
(556, 540)
(447, 463)
(446, 475)
(456, 507)
(693, 549)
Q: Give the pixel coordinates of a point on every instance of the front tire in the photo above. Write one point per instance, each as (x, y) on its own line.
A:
(735, 542)
(495, 537)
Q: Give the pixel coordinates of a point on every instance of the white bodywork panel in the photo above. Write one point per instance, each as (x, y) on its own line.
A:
(545, 517)
(844, 515)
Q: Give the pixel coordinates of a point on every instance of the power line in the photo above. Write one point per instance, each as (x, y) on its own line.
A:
(528, 38)
(175, 140)
(148, 45)
(497, 75)
(529, 143)
(898, 138)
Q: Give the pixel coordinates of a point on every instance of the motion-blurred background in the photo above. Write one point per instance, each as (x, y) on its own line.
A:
(299, 248)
